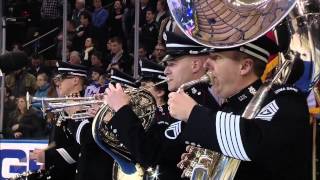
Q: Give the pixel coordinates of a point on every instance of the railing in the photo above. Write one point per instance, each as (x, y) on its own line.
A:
(2, 92)
(37, 39)
(40, 37)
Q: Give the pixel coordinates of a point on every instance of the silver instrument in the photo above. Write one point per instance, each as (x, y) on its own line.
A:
(56, 105)
(206, 78)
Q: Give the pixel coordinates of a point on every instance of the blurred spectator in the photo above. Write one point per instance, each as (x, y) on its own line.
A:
(10, 105)
(97, 60)
(51, 17)
(24, 123)
(128, 23)
(54, 87)
(142, 53)
(162, 11)
(42, 90)
(107, 53)
(159, 52)
(84, 31)
(16, 47)
(103, 82)
(89, 46)
(167, 25)
(71, 34)
(94, 86)
(99, 21)
(120, 58)
(43, 85)
(37, 65)
(79, 9)
(99, 15)
(149, 31)
(20, 82)
(75, 58)
(144, 6)
(116, 20)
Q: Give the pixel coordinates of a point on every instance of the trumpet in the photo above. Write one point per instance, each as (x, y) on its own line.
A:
(59, 104)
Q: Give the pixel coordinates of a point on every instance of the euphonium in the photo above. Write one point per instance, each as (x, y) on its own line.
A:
(144, 106)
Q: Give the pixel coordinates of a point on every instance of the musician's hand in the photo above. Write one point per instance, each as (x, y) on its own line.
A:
(115, 97)
(72, 110)
(17, 135)
(92, 111)
(180, 105)
(81, 33)
(38, 155)
(15, 127)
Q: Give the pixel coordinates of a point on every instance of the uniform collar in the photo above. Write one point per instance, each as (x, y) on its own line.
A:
(245, 94)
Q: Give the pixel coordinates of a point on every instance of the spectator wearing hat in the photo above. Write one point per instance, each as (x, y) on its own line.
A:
(266, 143)
(162, 146)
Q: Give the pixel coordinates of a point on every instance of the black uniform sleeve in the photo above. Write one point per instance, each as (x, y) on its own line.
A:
(61, 157)
(143, 147)
(281, 121)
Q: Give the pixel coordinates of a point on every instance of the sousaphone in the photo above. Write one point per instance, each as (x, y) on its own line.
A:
(223, 24)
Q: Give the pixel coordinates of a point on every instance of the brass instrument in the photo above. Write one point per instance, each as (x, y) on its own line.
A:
(56, 105)
(208, 164)
(227, 24)
(144, 106)
(206, 78)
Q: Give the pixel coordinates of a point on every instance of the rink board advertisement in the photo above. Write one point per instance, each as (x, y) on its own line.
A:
(14, 156)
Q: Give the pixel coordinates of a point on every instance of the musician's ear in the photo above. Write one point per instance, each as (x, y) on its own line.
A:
(198, 63)
(246, 66)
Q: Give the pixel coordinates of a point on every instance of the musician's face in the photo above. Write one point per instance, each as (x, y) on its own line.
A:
(178, 72)
(67, 85)
(226, 73)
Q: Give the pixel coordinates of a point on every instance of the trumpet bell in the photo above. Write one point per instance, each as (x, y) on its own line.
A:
(228, 23)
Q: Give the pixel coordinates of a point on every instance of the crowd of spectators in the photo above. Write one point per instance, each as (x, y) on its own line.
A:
(100, 35)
